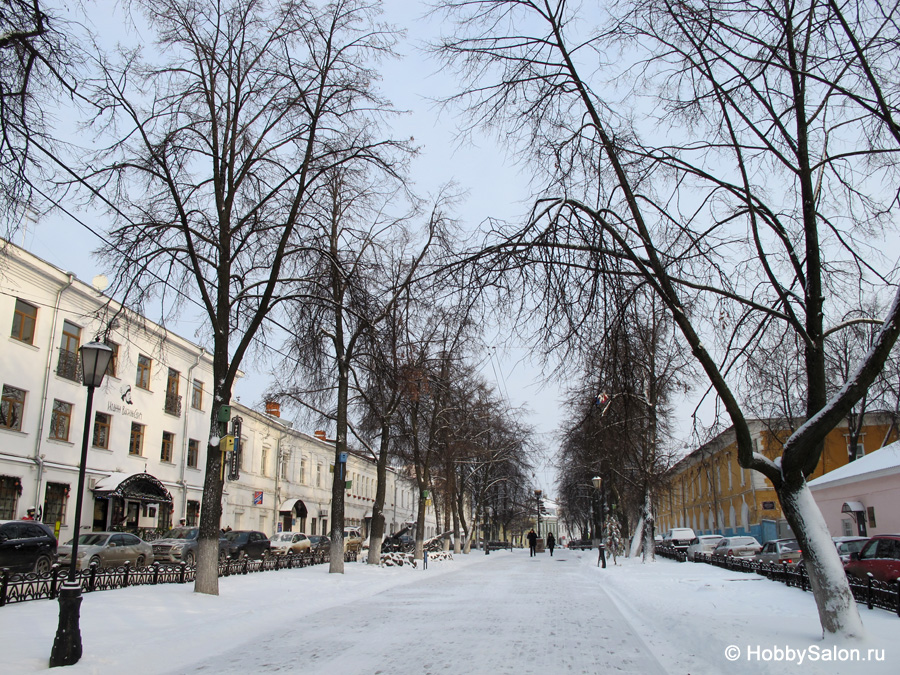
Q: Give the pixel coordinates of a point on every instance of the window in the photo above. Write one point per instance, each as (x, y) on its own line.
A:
(10, 488)
(193, 453)
(11, 408)
(319, 472)
(168, 443)
(870, 514)
(24, 320)
(192, 517)
(302, 470)
(113, 366)
(56, 497)
(68, 365)
(264, 460)
(142, 379)
(101, 430)
(60, 420)
(173, 400)
(197, 395)
(136, 444)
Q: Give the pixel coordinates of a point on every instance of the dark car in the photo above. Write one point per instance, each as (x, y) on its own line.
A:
(27, 546)
(247, 543)
(880, 557)
(319, 543)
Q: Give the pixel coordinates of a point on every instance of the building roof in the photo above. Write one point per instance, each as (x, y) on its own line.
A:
(883, 462)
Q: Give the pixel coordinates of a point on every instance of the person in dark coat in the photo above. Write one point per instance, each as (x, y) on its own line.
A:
(551, 542)
(532, 543)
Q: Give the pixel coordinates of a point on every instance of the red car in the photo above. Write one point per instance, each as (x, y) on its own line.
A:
(880, 557)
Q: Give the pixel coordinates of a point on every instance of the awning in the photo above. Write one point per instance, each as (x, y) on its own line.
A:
(141, 487)
(293, 505)
(853, 507)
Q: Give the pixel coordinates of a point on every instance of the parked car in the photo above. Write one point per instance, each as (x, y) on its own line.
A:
(27, 546)
(880, 557)
(780, 551)
(398, 542)
(353, 539)
(847, 545)
(705, 543)
(289, 542)
(580, 544)
(247, 543)
(107, 549)
(679, 537)
(319, 543)
(180, 545)
(738, 547)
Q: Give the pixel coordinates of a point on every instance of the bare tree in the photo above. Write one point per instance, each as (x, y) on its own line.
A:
(218, 147)
(37, 59)
(781, 118)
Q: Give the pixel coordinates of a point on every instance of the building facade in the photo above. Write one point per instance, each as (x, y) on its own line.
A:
(709, 492)
(149, 426)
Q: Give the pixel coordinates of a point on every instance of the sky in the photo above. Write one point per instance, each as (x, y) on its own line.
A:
(502, 613)
(492, 185)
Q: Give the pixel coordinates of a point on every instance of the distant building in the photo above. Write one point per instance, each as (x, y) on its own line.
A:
(709, 492)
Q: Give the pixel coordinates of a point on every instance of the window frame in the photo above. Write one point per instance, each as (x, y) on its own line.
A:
(197, 395)
(168, 443)
(21, 317)
(113, 368)
(59, 415)
(137, 432)
(7, 402)
(144, 371)
(105, 424)
(193, 453)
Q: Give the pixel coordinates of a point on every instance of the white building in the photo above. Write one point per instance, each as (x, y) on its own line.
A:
(286, 477)
(150, 425)
(150, 416)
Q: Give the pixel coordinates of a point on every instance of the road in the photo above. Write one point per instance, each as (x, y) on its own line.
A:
(508, 614)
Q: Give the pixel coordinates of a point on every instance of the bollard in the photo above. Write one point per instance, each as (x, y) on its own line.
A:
(869, 600)
(4, 585)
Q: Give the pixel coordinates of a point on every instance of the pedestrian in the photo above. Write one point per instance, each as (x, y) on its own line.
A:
(532, 543)
(551, 542)
(181, 522)
(29, 515)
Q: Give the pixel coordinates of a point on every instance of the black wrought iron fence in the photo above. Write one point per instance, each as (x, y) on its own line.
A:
(870, 592)
(33, 586)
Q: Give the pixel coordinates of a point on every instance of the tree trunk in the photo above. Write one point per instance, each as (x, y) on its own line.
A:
(376, 535)
(838, 613)
(647, 518)
(338, 485)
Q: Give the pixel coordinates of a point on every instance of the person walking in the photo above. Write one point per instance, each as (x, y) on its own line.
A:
(532, 544)
(551, 542)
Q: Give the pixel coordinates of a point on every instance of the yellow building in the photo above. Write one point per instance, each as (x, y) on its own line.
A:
(709, 492)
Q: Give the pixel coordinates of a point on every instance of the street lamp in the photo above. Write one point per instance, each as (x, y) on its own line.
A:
(601, 559)
(537, 498)
(95, 358)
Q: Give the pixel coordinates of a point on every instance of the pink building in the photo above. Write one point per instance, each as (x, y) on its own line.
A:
(863, 497)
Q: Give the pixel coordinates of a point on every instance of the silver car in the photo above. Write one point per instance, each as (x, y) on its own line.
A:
(107, 549)
(738, 547)
(705, 543)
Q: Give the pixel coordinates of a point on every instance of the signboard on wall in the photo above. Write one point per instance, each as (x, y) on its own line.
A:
(258, 498)
(768, 506)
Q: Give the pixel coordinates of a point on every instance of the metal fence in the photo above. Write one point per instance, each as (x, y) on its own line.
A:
(870, 592)
(32, 586)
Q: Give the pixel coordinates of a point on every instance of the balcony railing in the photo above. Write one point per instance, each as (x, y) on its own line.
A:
(173, 404)
(69, 365)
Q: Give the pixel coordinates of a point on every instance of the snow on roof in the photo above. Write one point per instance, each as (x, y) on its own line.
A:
(883, 462)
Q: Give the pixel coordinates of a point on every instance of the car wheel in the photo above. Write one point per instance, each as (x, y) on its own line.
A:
(221, 554)
(140, 562)
(42, 565)
(95, 559)
(189, 558)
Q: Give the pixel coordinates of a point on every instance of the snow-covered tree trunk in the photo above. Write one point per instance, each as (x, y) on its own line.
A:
(647, 518)
(637, 540)
(838, 613)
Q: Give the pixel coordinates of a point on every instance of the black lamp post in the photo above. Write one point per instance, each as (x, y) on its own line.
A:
(598, 482)
(537, 498)
(95, 358)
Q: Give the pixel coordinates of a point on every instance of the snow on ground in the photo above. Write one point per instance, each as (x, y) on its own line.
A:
(503, 613)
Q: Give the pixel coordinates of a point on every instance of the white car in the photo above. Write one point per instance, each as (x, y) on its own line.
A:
(705, 543)
(289, 542)
(738, 547)
(679, 537)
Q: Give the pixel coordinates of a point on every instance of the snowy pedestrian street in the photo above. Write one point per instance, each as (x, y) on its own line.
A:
(502, 613)
(507, 613)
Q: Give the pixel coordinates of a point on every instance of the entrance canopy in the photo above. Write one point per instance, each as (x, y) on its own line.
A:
(140, 487)
(295, 506)
(853, 507)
